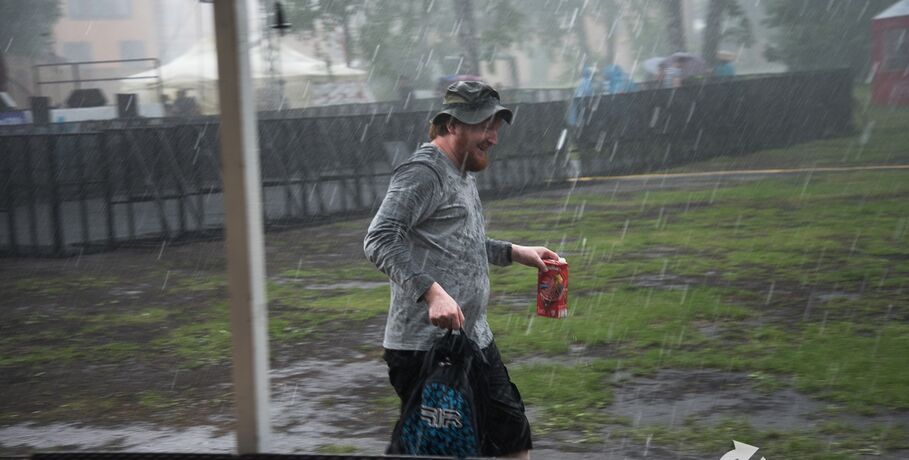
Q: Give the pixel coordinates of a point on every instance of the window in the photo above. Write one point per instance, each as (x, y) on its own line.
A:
(132, 49)
(100, 9)
(896, 49)
(77, 51)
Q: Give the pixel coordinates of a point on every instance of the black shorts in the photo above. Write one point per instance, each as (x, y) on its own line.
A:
(507, 430)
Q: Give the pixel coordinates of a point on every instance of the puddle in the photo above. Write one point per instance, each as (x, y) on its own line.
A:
(138, 437)
(671, 396)
(522, 301)
(666, 281)
(151, 438)
(828, 296)
(349, 285)
(710, 330)
(119, 292)
(577, 355)
(313, 403)
(339, 285)
(655, 252)
(331, 399)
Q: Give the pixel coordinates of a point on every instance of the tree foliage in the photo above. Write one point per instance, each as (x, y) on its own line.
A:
(304, 15)
(555, 29)
(25, 29)
(736, 30)
(419, 40)
(416, 39)
(25, 26)
(675, 23)
(810, 34)
(648, 29)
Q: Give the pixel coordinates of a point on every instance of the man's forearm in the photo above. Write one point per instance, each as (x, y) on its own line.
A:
(498, 252)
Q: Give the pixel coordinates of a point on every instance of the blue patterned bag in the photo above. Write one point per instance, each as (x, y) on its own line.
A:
(442, 416)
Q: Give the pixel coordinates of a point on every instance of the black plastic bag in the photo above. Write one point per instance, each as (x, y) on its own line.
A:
(443, 415)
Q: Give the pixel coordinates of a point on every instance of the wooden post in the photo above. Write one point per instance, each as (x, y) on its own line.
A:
(243, 228)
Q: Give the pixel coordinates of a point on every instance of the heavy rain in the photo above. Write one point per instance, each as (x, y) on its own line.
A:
(727, 180)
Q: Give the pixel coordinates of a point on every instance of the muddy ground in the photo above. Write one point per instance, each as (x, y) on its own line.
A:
(329, 389)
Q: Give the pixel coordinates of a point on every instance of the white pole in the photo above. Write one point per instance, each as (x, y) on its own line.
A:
(243, 227)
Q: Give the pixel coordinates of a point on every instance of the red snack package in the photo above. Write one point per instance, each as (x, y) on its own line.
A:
(552, 289)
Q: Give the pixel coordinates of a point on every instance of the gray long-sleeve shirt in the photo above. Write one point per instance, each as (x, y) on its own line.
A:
(430, 228)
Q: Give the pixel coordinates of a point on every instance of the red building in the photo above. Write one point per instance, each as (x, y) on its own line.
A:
(890, 55)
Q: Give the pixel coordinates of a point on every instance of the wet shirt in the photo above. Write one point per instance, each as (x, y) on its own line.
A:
(430, 228)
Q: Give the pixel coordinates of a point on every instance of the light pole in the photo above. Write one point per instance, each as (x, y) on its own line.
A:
(200, 89)
(273, 52)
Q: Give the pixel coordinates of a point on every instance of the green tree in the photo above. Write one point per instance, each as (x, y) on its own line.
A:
(24, 28)
(467, 37)
(611, 19)
(648, 29)
(816, 35)
(399, 40)
(413, 39)
(560, 30)
(675, 21)
(644, 25)
(303, 16)
(717, 30)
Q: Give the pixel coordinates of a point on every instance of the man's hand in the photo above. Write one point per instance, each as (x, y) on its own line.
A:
(532, 256)
(444, 312)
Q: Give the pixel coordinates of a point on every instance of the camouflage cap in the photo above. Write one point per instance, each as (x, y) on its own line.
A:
(472, 102)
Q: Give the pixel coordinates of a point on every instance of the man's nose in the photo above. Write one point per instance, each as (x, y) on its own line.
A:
(492, 136)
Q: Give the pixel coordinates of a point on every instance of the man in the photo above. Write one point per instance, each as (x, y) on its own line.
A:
(429, 237)
(670, 73)
(185, 106)
(724, 67)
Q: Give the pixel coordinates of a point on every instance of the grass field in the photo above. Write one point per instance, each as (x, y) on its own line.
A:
(776, 284)
(796, 280)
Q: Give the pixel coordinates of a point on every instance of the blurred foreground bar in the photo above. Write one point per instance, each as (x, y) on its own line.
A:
(195, 456)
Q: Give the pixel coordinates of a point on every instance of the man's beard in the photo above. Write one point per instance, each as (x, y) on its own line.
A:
(472, 162)
(476, 163)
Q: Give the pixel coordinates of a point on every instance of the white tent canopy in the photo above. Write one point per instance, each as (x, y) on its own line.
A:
(896, 10)
(196, 70)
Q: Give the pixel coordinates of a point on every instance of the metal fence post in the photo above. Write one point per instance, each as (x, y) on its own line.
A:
(83, 193)
(104, 142)
(29, 174)
(54, 189)
(10, 193)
